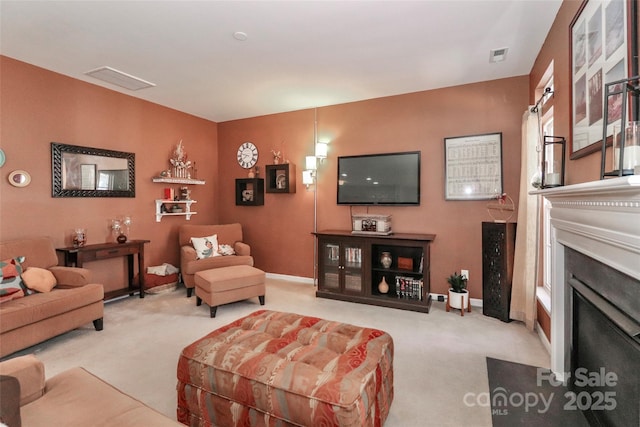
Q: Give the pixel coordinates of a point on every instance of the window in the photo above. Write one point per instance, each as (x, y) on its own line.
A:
(546, 127)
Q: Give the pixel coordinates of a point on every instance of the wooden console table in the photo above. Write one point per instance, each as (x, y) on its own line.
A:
(350, 268)
(75, 257)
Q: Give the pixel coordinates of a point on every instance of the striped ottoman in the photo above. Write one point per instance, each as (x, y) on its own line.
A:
(273, 368)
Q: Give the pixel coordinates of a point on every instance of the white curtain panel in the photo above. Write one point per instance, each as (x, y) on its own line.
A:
(525, 266)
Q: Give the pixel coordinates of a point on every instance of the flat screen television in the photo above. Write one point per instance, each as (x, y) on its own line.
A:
(379, 179)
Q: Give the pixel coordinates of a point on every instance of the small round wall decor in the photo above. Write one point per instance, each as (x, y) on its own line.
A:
(19, 178)
(2, 158)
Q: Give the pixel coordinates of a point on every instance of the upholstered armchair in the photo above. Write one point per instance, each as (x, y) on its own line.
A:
(229, 235)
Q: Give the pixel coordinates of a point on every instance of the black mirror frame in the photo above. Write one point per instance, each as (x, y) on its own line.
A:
(57, 189)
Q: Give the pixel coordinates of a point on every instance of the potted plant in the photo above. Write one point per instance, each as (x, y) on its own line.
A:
(458, 294)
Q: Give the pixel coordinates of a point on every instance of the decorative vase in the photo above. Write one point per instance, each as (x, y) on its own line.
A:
(79, 237)
(121, 238)
(385, 259)
(383, 286)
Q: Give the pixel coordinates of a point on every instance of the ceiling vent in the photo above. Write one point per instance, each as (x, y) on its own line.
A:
(118, 78)
(498, 55)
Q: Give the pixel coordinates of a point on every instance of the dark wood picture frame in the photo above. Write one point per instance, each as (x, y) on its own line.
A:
(603, 48)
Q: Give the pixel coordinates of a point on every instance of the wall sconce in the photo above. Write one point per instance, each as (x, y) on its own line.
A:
(553, 159)
(311, 162)
(321, 150)
(308, 177)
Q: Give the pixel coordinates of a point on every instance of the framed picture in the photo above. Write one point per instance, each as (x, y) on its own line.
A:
(473, 167)
(601, 52)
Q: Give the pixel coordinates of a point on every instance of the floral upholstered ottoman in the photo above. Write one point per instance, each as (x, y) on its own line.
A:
(272, 368)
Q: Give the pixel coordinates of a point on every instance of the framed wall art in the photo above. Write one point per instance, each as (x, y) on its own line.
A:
(473, 167)
(603, 49)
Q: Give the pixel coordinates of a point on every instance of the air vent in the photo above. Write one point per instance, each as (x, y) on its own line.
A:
(498, 55)
(118, 78)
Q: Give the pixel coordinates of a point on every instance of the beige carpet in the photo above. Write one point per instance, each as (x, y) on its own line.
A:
(439, 357)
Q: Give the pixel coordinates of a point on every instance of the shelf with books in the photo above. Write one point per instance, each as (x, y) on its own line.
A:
(351, 269)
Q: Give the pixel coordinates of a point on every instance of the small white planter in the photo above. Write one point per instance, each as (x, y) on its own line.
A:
(459, 301)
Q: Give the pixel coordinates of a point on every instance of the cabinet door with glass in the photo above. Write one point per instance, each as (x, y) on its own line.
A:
(341, 267)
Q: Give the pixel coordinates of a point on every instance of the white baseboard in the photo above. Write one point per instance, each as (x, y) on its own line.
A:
(306, 280)
(475, 302)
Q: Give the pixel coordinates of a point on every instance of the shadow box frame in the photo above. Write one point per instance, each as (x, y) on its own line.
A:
(608, 54)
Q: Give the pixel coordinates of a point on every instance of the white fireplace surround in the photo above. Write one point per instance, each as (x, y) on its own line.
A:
(600, 219)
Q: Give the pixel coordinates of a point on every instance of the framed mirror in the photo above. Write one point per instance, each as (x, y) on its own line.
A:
(91, 172)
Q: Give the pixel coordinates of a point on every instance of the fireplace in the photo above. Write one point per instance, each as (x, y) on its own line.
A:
(595, 298)
(605, 341)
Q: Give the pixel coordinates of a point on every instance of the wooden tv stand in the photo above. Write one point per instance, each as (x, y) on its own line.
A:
(349, 269)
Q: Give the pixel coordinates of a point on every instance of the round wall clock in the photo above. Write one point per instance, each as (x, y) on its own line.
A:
(247, 155)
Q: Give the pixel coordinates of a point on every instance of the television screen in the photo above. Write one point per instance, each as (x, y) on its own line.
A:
(379, 179)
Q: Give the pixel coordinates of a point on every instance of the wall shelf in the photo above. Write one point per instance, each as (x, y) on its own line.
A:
(281, 178)
(187, 208)
(178, 181)
(249, 192)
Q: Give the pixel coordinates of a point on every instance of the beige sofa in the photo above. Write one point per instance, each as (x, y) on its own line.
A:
(73, 302)
(229, 234)
(72, 398)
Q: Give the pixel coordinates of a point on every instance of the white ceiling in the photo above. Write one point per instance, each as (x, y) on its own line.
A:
(298, 54)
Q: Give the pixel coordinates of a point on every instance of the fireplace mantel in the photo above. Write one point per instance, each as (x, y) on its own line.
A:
(600, 219)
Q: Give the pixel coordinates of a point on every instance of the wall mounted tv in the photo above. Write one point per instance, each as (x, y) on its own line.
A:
(379, 179)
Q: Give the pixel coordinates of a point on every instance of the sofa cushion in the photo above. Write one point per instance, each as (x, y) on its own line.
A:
(39, 279)
(10, 268)
(206, 247)
(40, 306)
(11, 286)
(38, 251)
(78, 398)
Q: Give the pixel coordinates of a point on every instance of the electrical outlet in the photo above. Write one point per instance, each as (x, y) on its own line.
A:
(465, 273)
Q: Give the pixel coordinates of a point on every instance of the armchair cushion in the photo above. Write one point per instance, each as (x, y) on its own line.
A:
(206, 247)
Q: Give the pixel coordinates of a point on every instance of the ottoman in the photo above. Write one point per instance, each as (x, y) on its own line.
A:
(272, 368)
(228, 284)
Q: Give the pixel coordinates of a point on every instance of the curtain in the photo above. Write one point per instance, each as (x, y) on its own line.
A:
(525, 265)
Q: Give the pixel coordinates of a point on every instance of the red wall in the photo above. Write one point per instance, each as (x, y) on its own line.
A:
(281, 229)
(39, 107)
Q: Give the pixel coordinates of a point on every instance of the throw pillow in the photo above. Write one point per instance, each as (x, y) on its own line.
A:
(39, 279)
(11, 286)
(226, 250)
(206, 247)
